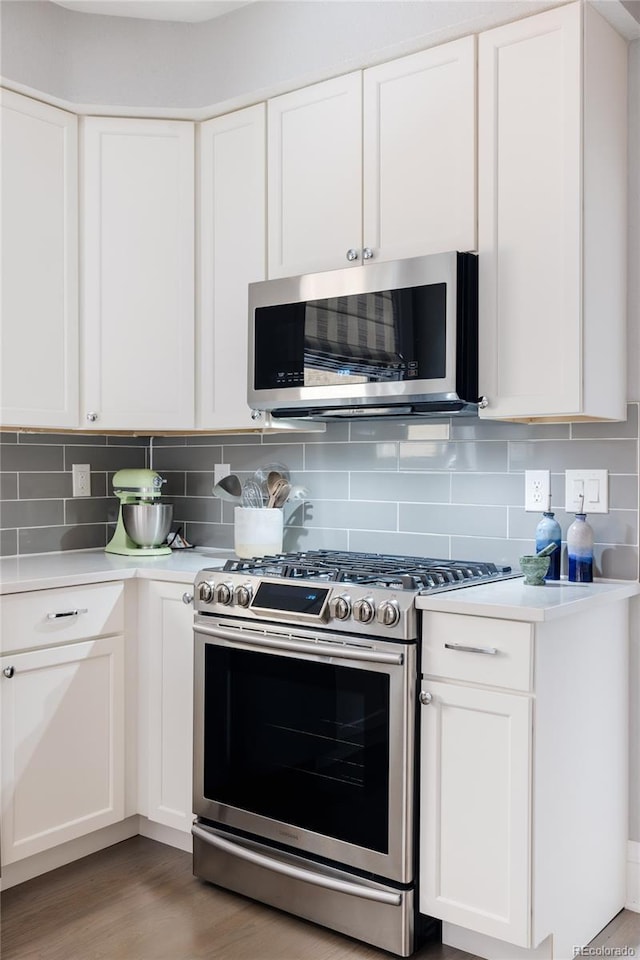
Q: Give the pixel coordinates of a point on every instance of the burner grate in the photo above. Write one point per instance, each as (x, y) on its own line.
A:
(373, 569)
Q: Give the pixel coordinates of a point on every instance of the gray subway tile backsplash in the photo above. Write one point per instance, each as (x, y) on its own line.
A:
(375, 487)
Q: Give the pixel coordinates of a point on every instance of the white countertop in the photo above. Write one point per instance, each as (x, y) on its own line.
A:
(512, 600)
(506, 599)
(68, 568)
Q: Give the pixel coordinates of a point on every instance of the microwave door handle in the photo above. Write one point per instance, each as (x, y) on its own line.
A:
(298, 873)
(299, 646)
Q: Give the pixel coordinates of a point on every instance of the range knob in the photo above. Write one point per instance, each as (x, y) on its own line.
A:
(224, 593)
(388, 613)
(206, 591)
(364, 610)
(340, 607)
(243, 594)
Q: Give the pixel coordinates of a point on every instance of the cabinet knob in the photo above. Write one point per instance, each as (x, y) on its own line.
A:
(425, 697)
(256, 414)
(352, 255)
(483, 402)
(367, 253)
(187, 598)
(92, 417)
(9, 672)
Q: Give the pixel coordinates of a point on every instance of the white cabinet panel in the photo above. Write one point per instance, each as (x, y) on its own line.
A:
(475, 826)
(231, 254)
(138, 274)
(39, 372)
(314, 177)
(166, 758)
(62, 715)
(419, 153)
(552, 94)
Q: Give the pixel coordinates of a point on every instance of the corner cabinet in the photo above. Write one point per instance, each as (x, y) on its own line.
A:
(231, 254)
(39, 373)
(519, 842)
(166, 704)
(375, 164)
(138, 274)
(552, 112)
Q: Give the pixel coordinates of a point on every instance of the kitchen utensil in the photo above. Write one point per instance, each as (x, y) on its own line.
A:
(534, 569)
(281, 494)
(252, 494)
(147, 524)
(229, 488)
(548, 550)
(276, 490)
(140, 531)
(298, 493)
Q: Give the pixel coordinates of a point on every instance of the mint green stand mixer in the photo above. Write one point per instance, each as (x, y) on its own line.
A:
(143, 522)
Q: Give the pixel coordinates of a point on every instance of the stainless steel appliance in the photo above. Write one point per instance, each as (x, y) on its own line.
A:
(306, 672)
(385, 339)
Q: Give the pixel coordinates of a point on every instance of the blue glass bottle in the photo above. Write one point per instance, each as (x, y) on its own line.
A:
(580, 550)
(548, 531)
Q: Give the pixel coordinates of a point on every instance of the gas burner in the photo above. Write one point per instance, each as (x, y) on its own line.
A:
(370, 569)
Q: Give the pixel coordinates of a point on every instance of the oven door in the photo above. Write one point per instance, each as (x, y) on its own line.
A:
(306, 739)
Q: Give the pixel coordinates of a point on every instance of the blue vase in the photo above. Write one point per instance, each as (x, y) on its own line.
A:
(548, 531)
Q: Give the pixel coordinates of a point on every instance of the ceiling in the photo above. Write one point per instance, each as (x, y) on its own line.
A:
(186, 11)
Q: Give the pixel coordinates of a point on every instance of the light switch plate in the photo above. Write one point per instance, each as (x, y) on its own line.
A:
(594, 487)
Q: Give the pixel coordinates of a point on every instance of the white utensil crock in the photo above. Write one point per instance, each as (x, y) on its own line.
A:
(257, 531)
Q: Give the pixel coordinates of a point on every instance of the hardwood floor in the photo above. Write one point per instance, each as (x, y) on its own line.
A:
(138, 900)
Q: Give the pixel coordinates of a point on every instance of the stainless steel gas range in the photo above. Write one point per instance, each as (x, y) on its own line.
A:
(306, 679)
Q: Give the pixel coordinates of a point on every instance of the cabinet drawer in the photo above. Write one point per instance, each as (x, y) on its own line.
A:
(477, 650)
(42, 618)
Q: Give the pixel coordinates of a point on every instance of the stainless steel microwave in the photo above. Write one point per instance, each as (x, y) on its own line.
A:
(385, 339)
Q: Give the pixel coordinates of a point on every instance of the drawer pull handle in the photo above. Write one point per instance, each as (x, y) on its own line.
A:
(9, 672)
(464, 649)
(66, 613)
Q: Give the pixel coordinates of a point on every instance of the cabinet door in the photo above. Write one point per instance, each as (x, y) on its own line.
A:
(167, 672)
(314, 177)
(62, 716)
(39, 372)
(529, 195)
(232, 254)
(138, 274)
(419, 153)
(475, 810)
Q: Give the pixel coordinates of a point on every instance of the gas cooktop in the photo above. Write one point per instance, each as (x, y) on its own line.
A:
(422, 574)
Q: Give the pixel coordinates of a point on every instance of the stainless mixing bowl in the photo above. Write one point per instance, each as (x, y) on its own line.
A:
(147, 523)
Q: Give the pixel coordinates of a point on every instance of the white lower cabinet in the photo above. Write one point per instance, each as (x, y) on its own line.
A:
(166, 704)
(523, 779)
(62, 711)
(475, 811)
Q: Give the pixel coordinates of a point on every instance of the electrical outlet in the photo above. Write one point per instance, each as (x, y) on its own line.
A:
(537, 486)
(81, 479)
(586, 491)
(220, 471)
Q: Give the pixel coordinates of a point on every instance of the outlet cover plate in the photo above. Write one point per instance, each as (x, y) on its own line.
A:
(537, 486)
(81, 480)
(220, 471)
(593, 484)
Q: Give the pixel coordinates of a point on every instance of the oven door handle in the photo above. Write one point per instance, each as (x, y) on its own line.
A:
(344, 653)
(298, 873)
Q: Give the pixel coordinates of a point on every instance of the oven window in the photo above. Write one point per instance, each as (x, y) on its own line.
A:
(301, 742)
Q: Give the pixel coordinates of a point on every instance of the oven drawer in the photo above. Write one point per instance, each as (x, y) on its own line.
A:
(45, 618)
(498, 653)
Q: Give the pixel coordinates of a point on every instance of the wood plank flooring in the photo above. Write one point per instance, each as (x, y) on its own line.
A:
(138, 900)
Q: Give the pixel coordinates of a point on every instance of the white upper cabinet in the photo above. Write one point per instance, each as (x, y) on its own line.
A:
(315, 188)
(419, 156)
(138, 274)
(552, 235)
(231, 254)
(39, 373)
(378, 164)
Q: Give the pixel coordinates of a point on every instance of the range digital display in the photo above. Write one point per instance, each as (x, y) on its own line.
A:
(290, 597)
